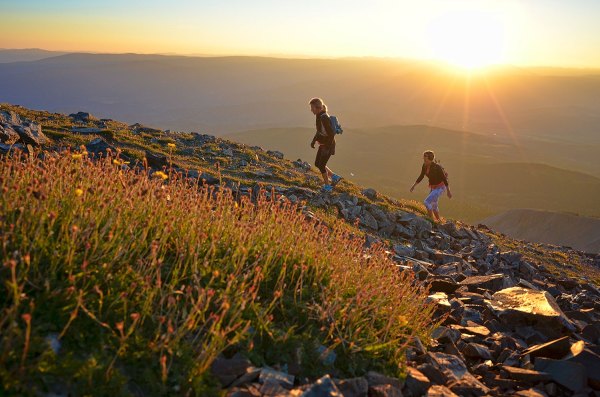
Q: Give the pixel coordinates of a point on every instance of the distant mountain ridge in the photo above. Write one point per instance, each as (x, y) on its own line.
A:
(231, 94)
(581, 233)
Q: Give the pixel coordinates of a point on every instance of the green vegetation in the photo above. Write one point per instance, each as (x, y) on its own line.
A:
(114, 282)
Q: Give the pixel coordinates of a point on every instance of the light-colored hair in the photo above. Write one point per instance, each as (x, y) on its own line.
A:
(429, 154)
(318, 102)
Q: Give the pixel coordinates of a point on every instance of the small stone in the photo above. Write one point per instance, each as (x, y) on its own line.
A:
(324, 387)
(270, 375)
(384, 391)
(416, 384)
(440, 391)
(370, 193)
(354, 387)
(228, 370)
(475, 350)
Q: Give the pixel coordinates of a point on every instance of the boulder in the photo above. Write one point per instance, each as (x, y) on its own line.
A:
(269, 375)
(526, 375)
(82, 117)
(384, 391)
(376, 379)
(522, 306)
(31, 133)
(370, 193)
(475, 350)
(9, 117)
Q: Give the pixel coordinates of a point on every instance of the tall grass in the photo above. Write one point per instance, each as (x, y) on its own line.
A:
(117, 282)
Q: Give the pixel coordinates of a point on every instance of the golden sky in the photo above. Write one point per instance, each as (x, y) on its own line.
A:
(466, 33)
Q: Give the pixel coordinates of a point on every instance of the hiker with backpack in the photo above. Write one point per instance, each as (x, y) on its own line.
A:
(438, 183)
(327, 127)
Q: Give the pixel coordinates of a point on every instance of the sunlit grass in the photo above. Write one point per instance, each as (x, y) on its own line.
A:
(144, 281)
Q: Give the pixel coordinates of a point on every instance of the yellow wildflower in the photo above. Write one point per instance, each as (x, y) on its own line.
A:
(77, 156)
(171, 145)
(78, 192)
(160, 174)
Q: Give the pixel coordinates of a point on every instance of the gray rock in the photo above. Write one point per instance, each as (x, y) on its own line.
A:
(85, 130)
(275, 154)
(8, 136)
(368, 220)
(324, 387)
(228, 152)
(81, 117)
(475, 350)
(370, 193)
(99, 146)
(270, 375)
(404, 250)
(421, 226)
(404, 232)
(30, 133)
(9, 117)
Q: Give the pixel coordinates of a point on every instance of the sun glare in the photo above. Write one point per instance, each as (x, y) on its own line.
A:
(467, 38)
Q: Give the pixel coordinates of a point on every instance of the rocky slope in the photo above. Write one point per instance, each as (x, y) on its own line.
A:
(515, 318)
(579, 232)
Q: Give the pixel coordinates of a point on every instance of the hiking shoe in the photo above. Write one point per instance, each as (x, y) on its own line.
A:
(326, 188)
(335, 179)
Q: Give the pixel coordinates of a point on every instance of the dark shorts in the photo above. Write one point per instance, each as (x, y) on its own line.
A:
(323, 155)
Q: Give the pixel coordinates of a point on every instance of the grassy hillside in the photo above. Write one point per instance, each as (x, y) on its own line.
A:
(115, 282)
(488, 174)
(122, 279)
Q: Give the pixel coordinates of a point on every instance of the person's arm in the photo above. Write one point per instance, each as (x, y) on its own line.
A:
(314, 140)
(419, 179)
(445, 180)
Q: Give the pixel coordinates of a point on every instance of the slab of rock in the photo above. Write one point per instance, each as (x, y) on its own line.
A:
(82, 117)
(368, 220)
(557, 348)
(493, 282)
(530, 393)
(570, 374)
(275, 154)
(526, 375)
(522, 306)
(443, 284)
(324, 387)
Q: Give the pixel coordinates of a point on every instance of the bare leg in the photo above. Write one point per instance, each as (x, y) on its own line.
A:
(437, 216)
(329, 172)
(325, 177)
(430, 213)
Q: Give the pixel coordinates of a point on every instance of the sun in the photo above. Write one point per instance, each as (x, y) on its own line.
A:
(467, 38)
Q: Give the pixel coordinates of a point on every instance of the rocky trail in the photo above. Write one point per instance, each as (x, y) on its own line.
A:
(514, 319)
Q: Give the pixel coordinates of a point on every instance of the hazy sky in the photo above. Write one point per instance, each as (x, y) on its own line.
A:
(526, 32)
